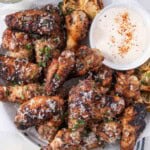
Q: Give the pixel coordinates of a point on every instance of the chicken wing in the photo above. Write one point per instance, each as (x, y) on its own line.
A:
(49, 129)
(108, 132)
(20, 93)
(38, 110)
(132, 125)
(103, 78)
(145, 81)
(46, 49)
(128, 86)
(17, 44)
(58, 71)
(66, 140)
(63, 91)
(77, 24)
(35, 21)
(86, 103)
(18, 71)
(91, 7)
(87, 59)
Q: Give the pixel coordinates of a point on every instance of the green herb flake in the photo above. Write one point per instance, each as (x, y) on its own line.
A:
(22, 96)
(56, 39)
(57, 77)
(42, 64)
(79, 123)
(7, 92)
(28, 46)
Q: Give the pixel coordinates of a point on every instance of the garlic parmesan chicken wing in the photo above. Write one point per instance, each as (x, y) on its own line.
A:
(38, 110)
(47, 49)
(74, 140)
(59, 70)
(35, 21)
(20, 93)
(49, 129)
(103, 78)
(128, 86)
(87, 59)
(77, 25)
(18, 71)
(133, 124)
(109, 132)
(17, 44)
(65, 140)
(86, 103)
(91, 7)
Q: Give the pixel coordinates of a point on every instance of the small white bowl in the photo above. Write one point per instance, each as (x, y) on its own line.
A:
(132, 4)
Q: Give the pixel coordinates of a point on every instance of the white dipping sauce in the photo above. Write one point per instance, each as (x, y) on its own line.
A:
(120, 34)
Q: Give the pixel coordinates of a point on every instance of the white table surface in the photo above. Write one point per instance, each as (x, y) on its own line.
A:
(12, 140)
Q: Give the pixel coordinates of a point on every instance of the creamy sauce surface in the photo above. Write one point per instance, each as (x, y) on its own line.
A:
(120, 34)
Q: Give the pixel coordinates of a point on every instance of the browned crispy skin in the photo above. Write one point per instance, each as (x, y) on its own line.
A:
(38, 110)
(90, 7)
(59, 70)
(132, 125)
(77, 24)
(90, 141)
(17, 44)
(20, 93)
(86, 103)
(103, 78)
(74, 140)
(87, 59)
(35, 21)
(63, 91)
(108, 132)
(46, 49)
(66, 140)
(128, 86)
(18, 71)
(49, 129)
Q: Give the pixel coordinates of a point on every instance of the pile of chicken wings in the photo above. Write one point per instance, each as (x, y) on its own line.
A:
(64, 90)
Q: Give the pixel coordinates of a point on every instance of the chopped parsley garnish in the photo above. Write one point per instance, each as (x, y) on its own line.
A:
(42, 64)
(29, 46)
(22, 96)
(7, 92)
(79, 124)
(57, 77)
(56, 39)
(46, 52)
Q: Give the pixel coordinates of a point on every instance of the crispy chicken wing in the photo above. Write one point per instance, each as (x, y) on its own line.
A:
(109, 132)
(38, 110)
(49, 129)
(46, 49)
(58, 71)
(63, 91)
(128, 86)
(87, 59)
(132, 125)
(103, 78)
(86, 103)
(65, 140)
(16, 70)
(74, 140)
(17, 44)
(35, 21)
(20, 93)
(91, 7)
(145, 81)
(77, 24)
